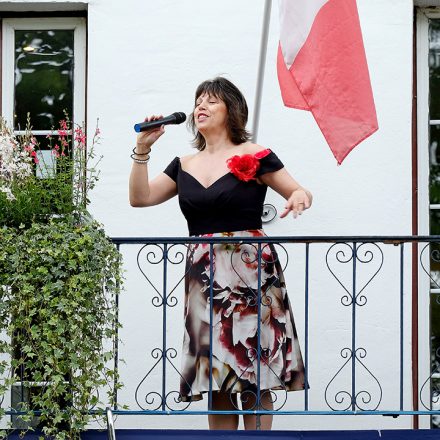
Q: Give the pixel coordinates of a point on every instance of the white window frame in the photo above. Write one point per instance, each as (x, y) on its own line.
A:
(78, 25)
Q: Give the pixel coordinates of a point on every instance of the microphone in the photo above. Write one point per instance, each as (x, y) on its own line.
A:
(175, 118)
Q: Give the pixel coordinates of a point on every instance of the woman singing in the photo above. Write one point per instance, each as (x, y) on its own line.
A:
(221, 191)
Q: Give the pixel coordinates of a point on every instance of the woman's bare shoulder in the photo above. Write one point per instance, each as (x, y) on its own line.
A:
(188, 158)
(251, 148)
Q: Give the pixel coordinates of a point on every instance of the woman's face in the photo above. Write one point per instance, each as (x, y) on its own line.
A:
(210, 113)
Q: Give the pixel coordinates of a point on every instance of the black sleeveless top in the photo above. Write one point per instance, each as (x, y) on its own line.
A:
(228, 204)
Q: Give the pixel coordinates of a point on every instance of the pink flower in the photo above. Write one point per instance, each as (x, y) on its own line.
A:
(63, 124)
(80, 136)
(34, 155)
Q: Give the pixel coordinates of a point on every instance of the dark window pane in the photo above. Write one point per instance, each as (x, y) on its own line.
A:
(435, 329)
(434, 163)
(435, 222)
(435, 352)
(43, 77)
(434, 69)
(434, 250)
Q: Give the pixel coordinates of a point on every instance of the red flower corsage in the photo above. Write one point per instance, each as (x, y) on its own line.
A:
(245, 167)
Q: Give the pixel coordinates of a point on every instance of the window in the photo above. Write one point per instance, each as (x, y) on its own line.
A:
(428, 128)
(434, 200)
(43, 74)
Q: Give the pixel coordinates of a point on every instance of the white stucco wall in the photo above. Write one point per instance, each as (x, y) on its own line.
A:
(147, 58)
(151, 62)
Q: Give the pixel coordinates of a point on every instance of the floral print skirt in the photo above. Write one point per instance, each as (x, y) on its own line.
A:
(235, 272)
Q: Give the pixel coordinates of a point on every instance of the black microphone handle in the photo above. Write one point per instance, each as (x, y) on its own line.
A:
(150, 125)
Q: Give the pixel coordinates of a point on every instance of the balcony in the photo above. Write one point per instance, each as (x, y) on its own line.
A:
(361, 307)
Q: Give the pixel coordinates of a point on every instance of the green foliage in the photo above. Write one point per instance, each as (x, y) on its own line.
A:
(32, 188)
(37, 201)
(57, 308)
(59, 277)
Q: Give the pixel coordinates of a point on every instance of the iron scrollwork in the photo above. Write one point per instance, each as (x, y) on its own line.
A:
(357, 255)
(155, 254)
(154, 400)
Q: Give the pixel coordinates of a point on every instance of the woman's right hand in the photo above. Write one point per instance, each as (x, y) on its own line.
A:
(147, 138)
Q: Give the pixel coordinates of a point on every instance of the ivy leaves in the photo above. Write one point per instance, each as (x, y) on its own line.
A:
(58, 283)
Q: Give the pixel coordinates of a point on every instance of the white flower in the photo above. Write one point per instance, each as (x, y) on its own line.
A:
(8, 192)
(15, 161)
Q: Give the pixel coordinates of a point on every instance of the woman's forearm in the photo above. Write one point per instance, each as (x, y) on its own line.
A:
(139, 188)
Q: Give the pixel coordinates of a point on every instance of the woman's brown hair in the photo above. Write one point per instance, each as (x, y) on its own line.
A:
(236, 106)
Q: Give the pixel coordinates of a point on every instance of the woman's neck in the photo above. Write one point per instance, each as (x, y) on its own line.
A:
(216, 143)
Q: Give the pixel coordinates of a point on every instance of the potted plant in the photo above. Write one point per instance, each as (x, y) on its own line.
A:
(59, 276)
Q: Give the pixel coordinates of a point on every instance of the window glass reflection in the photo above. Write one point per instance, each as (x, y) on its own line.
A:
(43, 77)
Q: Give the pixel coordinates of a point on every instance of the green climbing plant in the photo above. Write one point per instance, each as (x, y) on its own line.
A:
(59, 278)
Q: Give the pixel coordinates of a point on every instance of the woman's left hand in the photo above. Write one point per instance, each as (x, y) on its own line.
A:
(297, 203)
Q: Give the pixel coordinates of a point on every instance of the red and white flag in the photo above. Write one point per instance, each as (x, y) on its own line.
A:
(322, 68)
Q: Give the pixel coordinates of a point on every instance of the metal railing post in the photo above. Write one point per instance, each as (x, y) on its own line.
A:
(110, 425)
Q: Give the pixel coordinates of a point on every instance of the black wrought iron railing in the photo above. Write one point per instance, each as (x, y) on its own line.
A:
(364, 349)
(338, 277)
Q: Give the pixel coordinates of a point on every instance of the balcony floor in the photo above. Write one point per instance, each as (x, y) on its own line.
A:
(174, 434)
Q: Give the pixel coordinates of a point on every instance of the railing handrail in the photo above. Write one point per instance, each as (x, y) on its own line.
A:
(387, 239)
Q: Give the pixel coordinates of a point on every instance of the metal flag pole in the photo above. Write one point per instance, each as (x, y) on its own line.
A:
(261, 68)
